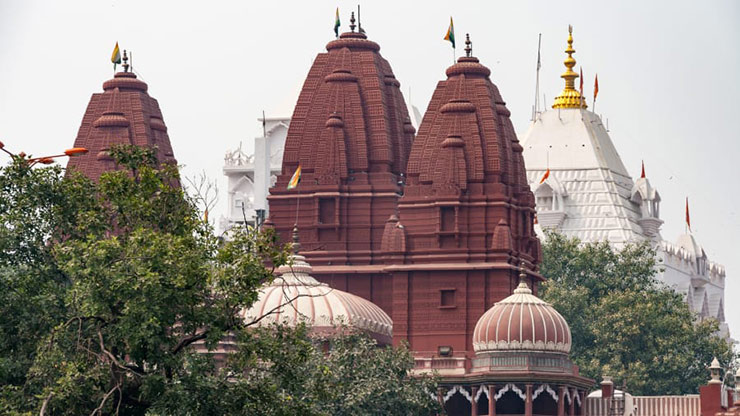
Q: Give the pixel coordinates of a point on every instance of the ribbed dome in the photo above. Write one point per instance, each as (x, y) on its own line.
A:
(294, 296)
(522, 322)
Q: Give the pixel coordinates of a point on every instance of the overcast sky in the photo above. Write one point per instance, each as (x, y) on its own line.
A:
(668, 79)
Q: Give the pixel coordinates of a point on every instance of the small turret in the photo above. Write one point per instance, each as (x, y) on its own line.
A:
(648, 199)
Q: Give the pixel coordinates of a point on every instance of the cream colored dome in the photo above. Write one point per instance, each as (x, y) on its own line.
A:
(522, 322)
(294, 296)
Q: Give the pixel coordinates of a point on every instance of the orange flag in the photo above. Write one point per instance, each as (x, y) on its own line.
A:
(642, 175)
(688, 219)
(596, 86)
(545, 176)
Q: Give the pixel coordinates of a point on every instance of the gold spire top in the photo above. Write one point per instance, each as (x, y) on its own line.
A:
(570, 97)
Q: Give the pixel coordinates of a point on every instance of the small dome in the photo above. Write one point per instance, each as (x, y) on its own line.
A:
(522, 322)
(294, 296)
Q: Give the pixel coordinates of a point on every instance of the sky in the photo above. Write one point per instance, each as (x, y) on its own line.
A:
(668, 82)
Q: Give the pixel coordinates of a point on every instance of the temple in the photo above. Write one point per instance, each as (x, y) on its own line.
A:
(123, 113)
(582, 189)
(250, 176)
(465, 221)
(351, 135)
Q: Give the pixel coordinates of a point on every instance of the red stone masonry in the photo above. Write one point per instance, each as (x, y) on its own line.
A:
(122, 113)
(351, 134)
(467, 215)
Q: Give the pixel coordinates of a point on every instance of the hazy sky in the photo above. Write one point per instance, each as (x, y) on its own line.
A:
(668, 79)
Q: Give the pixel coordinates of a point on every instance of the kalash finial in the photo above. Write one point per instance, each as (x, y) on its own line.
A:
(570, 97)
(352, 22)
(523, 287)
(468, 46)
(296, 244)
(125, 61)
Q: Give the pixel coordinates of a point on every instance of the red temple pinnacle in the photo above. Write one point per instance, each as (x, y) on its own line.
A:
(122, 114)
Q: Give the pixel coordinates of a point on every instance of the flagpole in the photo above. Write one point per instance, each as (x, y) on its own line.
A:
(297, 206)
(537, 82)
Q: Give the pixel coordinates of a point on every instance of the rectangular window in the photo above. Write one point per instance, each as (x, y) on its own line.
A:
(447, 298)
(447, 218)
(326, 211)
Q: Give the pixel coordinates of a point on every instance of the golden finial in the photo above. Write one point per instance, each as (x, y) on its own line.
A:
(570, 97)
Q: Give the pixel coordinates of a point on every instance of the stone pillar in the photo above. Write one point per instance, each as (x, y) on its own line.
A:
(473, 403)
(561, 401)
(607, 388)
(572, 408)
(528, 401)
(491, 401)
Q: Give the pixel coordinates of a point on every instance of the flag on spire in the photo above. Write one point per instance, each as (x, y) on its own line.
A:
(688, 218)
(581, 89)
(596, 86)
(545, 176)
(116, 57)
(451, 34)
(295, 179)
(642, 175)
(336, 23)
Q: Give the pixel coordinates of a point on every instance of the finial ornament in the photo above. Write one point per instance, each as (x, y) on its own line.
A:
(468, 46)
(523, 287)
(296, 244)
(352, 22)
(714, 370)
(125, 61)
(570, 97)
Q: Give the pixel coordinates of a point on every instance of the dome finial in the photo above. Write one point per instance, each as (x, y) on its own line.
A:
(523, 287)
(296, 244)
(468, 46)
(352, 22)
(570, 97)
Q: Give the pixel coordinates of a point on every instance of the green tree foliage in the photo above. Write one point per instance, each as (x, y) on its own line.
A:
(105, 286)
(624, 323)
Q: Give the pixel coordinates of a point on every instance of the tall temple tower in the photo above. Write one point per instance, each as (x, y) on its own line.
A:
(351, 135)
(123, 113)
(582, 189)
(465, 220)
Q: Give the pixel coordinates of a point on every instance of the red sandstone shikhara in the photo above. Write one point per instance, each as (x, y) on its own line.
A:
(437, 230)
(123, 114)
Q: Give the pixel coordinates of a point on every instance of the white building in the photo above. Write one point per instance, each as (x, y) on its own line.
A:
(583, 190)
(251, 176)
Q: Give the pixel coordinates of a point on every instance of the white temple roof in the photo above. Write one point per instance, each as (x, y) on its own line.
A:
(571, 138)
(581, 157)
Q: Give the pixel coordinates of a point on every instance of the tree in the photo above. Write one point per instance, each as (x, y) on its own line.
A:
(624, 323)
(106, 285)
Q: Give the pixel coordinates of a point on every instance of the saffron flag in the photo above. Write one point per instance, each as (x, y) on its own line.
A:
(545, 176)
(581, 89)
(451, 34)
(596, 87)
(116, 56)
(642, 175)
(688, 219)
(337, 23)
(295, 179)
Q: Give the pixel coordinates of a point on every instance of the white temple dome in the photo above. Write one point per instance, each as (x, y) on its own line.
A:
(522, 322)
(294, 296)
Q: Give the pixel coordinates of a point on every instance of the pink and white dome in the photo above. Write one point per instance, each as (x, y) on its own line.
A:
(522, 322)
(294, 296)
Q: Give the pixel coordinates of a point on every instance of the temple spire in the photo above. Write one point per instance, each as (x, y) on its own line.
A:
(570, 97)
